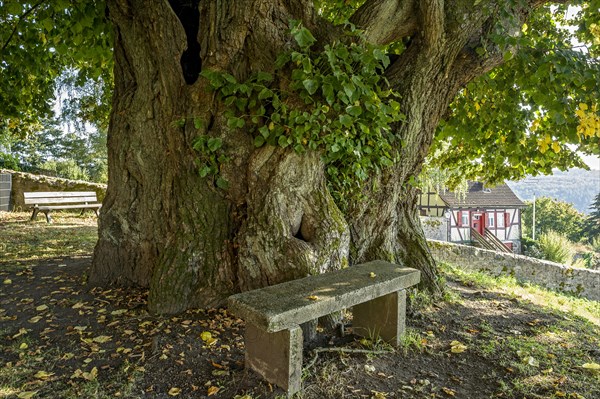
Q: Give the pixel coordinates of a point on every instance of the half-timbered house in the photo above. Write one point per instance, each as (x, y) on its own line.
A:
(487, 216)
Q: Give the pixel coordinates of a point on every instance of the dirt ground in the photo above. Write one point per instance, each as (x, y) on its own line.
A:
(60, 338)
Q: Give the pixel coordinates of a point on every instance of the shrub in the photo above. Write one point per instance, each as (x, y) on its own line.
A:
(67, 169)
(556, 247)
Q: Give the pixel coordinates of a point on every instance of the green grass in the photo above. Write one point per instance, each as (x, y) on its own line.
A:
(23, 241)
(552, 300)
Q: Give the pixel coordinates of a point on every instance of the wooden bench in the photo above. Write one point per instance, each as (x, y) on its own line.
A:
(273, 337)
(46, 202)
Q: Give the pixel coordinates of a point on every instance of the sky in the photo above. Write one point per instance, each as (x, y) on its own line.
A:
(593, 161)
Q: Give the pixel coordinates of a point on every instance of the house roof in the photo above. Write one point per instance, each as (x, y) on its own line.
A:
(480, 196)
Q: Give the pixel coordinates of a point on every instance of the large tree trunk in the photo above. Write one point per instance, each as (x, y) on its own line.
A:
(163, 226)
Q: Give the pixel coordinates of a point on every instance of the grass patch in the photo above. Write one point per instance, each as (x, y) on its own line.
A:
(25, 241)
(585, 308)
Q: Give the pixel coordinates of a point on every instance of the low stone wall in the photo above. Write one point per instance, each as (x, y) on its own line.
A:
(435, 228)
(582, 282)
(26, 182)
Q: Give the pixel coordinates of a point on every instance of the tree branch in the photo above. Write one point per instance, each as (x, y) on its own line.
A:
(432, 22)
(386, 21)
(22, 17)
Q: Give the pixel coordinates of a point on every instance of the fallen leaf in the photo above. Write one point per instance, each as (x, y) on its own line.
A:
(530, 360)
(43, 375)
(35, 319)
(372, 275)
(101, 339)
(23, 346)
(174, 391)
(593, 368)
(212, 390)
(41, 308)
(8, 281)
(77, 305)
(118, 312)
(313, 297)
(378, 395)
(91, 376)
(457, 347)
(26, 394)
(369, 368)
(449, 391)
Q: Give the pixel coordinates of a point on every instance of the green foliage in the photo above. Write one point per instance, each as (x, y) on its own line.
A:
(519, 118)
(553, 215)
(556, 247)
(335, 103)
(591, 225)
(44, 42)
(67, 169)
(211, 156)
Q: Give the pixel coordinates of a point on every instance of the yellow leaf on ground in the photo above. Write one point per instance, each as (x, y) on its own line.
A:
(91, 376)
(378, 395)
(23, 346)
(313, 297)
(118, 312)
(35, 319)
(41, 308)
(213, 390)
(457, 347)
(26, 394)
(449, 391)
(174, 391)
(8, 281)
(77, 305)
(205, 335)
(101, 339)
(43, 375)
(372, 275)
(591, 367)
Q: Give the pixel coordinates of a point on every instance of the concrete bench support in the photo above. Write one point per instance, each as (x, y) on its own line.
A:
(273, 315)
(383, 317)
(277, 356)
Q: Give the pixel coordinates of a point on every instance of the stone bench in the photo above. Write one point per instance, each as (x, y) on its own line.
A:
(273, 337)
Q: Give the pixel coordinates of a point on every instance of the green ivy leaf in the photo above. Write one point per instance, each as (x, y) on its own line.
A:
(311, 86)
(259, 141)
(222, 183)
(346, 120)
(214, 143)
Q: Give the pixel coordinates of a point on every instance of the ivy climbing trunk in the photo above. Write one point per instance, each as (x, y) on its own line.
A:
(261, 215)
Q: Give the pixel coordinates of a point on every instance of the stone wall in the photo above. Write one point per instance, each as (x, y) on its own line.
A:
(435, 228)
(582, 282)
(26, 182)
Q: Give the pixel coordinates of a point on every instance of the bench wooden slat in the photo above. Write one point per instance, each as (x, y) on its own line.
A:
(50, 194)
(284, 306)
(80, 206)
(60, 200)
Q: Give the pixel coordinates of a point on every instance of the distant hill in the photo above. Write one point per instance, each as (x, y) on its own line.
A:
(576, 186)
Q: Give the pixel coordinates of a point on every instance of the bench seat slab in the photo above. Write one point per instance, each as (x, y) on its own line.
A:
(285, 305)
(277, 357)
(383, 317)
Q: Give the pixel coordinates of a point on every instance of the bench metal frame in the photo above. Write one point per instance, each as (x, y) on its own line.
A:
(273, 315)
(61, 200)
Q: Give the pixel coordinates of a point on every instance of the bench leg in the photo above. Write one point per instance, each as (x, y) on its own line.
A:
(34, 214)
(383, 317)
(277, 357)
(48, 217)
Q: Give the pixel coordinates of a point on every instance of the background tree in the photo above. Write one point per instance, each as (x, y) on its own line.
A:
(591, 225)
(553, 215)
(228, 180)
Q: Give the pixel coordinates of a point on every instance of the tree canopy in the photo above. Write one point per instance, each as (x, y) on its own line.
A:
(553, 215)
(527, 116)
